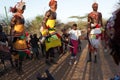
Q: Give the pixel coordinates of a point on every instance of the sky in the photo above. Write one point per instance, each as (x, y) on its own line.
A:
(66, 8)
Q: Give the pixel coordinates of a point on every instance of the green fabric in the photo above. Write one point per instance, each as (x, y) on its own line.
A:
(22, 37)
(53, 37)
(93, 36)
(51, 29)
(22, 54)
(102, 29)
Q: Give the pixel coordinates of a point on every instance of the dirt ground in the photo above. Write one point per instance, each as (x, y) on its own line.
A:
(104, 69)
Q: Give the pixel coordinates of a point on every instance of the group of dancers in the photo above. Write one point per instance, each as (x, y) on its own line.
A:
(95, 34)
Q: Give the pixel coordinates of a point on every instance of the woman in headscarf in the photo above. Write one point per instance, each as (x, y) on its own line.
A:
(48, 31)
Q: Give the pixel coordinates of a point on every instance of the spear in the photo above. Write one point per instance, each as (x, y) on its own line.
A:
(7, 19)
(6, 15)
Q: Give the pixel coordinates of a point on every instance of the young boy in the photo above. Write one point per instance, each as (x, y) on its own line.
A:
(74, 36)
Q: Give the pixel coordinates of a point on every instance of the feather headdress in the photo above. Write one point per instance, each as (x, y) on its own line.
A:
(20, 5)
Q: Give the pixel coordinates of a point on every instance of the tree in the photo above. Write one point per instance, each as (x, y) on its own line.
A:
(34, 25)
(81, 21)
(5, 23)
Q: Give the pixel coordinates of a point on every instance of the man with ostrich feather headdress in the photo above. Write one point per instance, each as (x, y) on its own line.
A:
(17, 32)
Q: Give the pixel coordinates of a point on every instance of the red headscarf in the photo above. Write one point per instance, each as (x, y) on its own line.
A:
(52, 2)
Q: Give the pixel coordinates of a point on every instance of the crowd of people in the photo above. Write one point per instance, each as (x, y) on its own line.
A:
(23, 45)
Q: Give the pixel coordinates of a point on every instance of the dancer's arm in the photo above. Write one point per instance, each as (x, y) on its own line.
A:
(46, 17)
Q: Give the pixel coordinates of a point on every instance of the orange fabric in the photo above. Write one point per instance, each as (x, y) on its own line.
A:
(20, 45)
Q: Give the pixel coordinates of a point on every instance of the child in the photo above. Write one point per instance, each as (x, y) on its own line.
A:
(74, 36)
(64, 39)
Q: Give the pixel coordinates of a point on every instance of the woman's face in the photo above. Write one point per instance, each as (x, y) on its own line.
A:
(54, 6)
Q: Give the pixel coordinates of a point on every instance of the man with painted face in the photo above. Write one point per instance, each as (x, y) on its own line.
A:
(94, 30)
(95, 17)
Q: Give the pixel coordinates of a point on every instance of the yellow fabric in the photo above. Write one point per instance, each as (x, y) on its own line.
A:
(20, 45)
(19, 28)
(52, 42)
(44, 31)
(50, 24)
(52, 32)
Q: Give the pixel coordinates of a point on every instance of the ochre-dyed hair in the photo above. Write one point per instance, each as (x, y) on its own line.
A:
(94, 4)
(52, 2)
